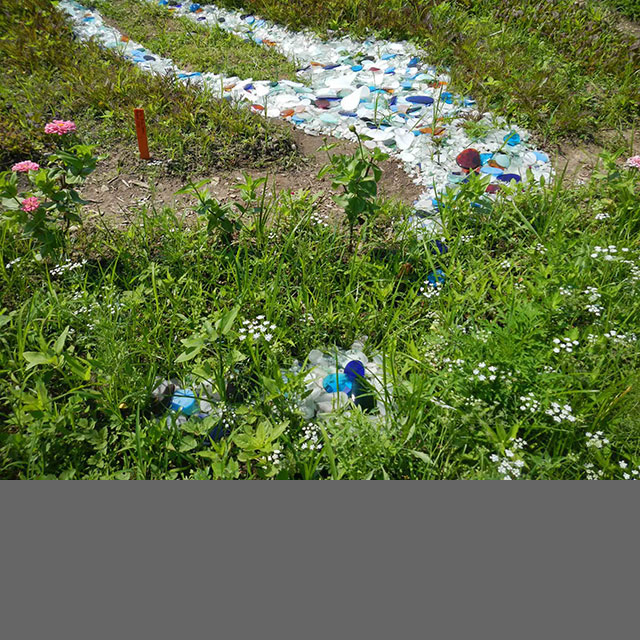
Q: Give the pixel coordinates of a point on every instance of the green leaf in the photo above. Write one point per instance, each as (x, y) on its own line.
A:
(228, 319)
(422, 456)
(188, 443)
(59, 344)
(194, 345)
(35, 358)
(79, 367)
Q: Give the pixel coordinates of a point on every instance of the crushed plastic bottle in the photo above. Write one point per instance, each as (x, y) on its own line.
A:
(342, 380)
(180, 402)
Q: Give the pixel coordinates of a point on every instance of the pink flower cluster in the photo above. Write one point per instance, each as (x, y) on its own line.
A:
(60, 127)
(25, 166)
(634, 161)
(30, 204)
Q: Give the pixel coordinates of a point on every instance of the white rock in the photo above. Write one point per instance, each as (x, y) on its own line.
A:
(351, 102)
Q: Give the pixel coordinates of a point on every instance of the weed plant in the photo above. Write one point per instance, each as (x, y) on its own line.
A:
(523, 363)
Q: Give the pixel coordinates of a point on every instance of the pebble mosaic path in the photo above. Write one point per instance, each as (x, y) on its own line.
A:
(382, 89)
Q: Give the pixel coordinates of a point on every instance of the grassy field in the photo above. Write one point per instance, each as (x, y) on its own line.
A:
(46, 74)
(522, 364)
(194, 46)
(560, 68)
(628, 8)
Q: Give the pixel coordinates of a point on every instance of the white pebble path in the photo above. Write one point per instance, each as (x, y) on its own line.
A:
(331, 70)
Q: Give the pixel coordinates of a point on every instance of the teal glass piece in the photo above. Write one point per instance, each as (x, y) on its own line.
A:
(334, 383)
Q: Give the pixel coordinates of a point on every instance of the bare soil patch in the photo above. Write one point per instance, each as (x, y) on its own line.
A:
(123, 183)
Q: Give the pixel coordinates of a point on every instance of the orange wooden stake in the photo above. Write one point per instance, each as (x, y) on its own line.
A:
(141, 131)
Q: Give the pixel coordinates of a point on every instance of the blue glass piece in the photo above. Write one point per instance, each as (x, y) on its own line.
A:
(492, 171)
(508, 177)
(356, 67)
(406, 84)
(438, 247)
(420, 100)
(417, 132)
(297, 119)
(393, 100)
(162, 3)
(436, 203)
(436, 278)
(334, 383)
(388, 56)
(250, 19)
(329, 118)
(469, 102)
(390, 71)
(248, 87)
(354, 369)
(414, 62)
(194, 7)
(447, 97)
(512, 139)
(217, 433)
(328, 67)
(184, 400)
(348, 114)
(542, 157)
(485, 157)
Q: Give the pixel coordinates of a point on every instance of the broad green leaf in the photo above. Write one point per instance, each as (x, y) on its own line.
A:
(228, 319)
(59, 344)
(35, 358)
(422, 456)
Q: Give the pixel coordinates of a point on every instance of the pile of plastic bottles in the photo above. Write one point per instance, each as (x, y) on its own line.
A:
(343, 379)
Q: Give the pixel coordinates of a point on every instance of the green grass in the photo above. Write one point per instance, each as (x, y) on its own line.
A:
(46, 74)
(201, 48)
(518, 276)
(628, 8)
(559, 68)
(82, 344)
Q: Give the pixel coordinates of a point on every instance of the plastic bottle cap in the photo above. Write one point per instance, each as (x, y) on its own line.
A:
(184, 400)
(354, 370)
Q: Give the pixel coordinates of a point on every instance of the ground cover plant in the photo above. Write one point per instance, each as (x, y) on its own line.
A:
(560, 68)
(628, 8)
(509, 344)
(190, 45)
(522, 363)
(46, 74)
